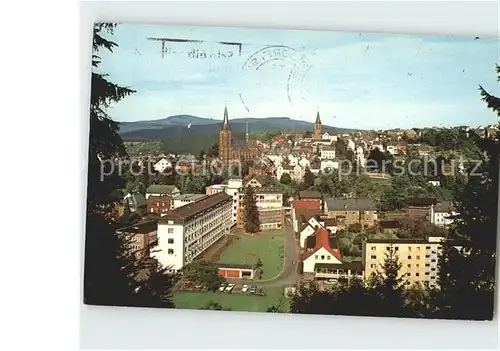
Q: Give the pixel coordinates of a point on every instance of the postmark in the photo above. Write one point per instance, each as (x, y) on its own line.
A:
(277, 59)
(218, 56)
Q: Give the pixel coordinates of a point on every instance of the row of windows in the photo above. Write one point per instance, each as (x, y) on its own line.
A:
(328, 257)
(374, 248)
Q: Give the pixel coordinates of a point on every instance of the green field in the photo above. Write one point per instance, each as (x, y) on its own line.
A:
(236, 302)
(268, 246)
(145, 147)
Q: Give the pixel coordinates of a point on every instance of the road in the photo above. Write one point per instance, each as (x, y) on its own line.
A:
(288, 274)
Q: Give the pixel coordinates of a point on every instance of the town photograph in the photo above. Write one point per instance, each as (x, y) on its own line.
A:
(297, 172)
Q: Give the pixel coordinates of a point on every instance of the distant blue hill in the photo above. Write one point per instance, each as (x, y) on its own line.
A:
(176, 126)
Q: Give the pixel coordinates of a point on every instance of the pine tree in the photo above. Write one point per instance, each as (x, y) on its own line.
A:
(387, 288)
(308, 178)
(111, 271)
(252, 221)
(467, 275)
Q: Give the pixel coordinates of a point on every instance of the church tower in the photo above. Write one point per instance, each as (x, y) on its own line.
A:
(225, 139)
(317, 126)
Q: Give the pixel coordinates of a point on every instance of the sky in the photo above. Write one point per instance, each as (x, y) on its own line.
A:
(355, 80)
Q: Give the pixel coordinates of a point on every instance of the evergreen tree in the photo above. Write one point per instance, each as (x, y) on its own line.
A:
(388, 287)
(467, 268)
(308, 178)
(252, 221)
(286, 179)
(111, 272)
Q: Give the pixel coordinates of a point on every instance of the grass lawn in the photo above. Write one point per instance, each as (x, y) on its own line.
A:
(236, 302)
(267, 246)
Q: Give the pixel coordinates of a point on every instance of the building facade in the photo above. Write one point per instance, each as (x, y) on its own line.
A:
(230, 150)
(352, 211)
(159, 204)
(269, 201)
(139, 238)
(317, 127)
(186, 232)
(418, 258)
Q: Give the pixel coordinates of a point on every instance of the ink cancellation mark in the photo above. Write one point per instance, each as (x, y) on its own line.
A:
(284, 54)
(193, 49)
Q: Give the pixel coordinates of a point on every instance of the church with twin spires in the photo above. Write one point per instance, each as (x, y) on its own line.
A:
(232, 150)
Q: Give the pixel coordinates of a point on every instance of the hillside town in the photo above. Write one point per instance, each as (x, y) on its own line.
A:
(282, 215)
(328, 233)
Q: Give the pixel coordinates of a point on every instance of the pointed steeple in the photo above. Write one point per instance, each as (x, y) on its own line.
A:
(225, 121)
(318, 120)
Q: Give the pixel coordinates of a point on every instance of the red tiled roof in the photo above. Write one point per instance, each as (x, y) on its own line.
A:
(306, 204)
(323, 241)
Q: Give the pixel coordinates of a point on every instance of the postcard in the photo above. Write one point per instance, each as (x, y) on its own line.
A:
(292, 171)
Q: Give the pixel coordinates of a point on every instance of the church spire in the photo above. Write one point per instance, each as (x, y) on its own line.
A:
(318, 120)
(225, 121)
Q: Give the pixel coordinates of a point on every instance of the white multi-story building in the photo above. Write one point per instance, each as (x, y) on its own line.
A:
(186, 232)
(328, 152)
(233, 189)
(276, 158)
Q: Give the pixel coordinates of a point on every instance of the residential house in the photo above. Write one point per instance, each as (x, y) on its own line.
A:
(421, 208)
(328, 152)
(305, 208)
(308, 227)
(389, 226)
(162, 190)
(320, 248)
(159, 204)
(136, 203)
(329, 165)
(139, 238)
(162, 165)
(443, 214)
(312, 195)
(352, 211)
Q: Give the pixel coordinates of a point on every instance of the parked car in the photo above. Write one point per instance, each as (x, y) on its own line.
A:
(222, 287)
(244, 289)
(252, 289)
(229, 287)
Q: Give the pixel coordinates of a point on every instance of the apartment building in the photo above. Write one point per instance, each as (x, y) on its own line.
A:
(232, 188)
(139, 238)
(352, 211)
(418, 258)
(269, 201)
(186, 232)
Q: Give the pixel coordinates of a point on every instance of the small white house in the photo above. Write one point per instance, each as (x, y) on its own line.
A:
(320, 248)
(293, 160)
(162, 165)
(329, 165)
(328, 152)
(304, 162)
